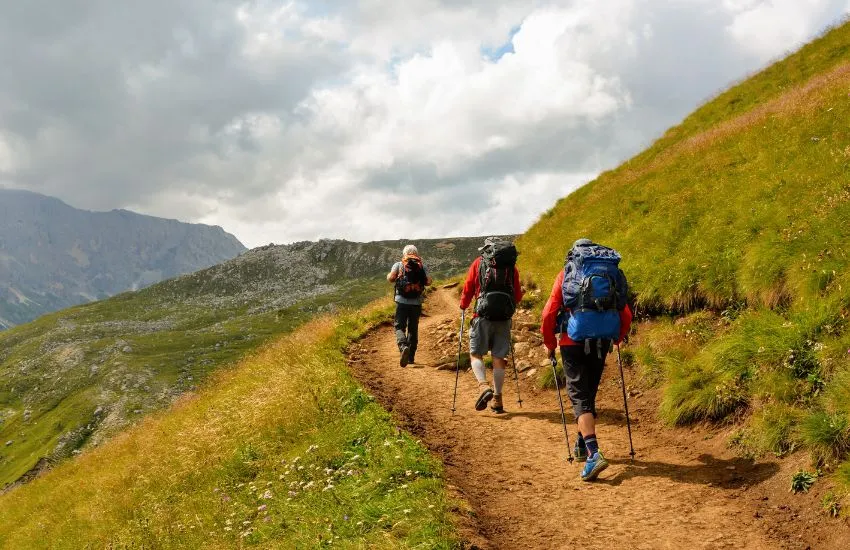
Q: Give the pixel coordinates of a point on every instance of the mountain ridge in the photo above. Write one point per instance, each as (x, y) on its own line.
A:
(53, 255)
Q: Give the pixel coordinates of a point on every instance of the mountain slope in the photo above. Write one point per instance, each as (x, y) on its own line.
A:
(54, 256)
(739, 221)
(75, 377)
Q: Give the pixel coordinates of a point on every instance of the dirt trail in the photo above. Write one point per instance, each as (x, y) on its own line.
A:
(512, 467)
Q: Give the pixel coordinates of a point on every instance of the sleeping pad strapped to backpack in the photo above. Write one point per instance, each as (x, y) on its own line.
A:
(595, 291)
(495, 301)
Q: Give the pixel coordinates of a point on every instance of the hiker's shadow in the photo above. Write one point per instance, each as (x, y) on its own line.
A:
(728, 474)
(614, 417)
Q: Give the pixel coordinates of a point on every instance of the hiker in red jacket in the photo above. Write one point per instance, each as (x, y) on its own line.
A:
(493, 280)
(583, 363)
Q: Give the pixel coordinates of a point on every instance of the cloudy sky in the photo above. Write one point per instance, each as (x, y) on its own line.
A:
(363, 119)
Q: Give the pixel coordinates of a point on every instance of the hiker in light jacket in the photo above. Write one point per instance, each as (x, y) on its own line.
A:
(583, 365)
(410, 278)
(490, 327)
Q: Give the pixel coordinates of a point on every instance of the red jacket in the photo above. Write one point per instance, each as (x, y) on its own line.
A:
(550, 314)
(472, 286)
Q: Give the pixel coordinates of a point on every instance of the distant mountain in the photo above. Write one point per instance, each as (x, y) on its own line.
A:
(54, 256)
(75, 377)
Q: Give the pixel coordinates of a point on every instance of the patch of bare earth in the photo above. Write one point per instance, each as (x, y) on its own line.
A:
(684, 489)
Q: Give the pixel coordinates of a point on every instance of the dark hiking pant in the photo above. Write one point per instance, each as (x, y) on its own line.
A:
(407, 326)
(584, 372)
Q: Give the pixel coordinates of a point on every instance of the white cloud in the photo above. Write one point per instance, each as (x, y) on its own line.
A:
(771, 27)
(285, 119)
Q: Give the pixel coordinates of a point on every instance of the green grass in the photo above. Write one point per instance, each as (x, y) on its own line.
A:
(282, 449)
(127, 356)
(734, 229)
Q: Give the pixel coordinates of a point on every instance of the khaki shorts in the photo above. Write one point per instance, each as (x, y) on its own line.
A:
(492, 336)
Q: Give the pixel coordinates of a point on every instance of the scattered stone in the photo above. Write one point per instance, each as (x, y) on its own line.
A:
(127, 349)
(9, 442)
(523, 365)
(531, 373)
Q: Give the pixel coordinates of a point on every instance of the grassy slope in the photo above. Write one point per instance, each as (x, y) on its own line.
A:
(738, 219)
(283, 447)
(76, 377)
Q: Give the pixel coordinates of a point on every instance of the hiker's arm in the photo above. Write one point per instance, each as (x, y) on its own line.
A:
(625, 322)
(469, 287)
(550, 314)
(393, 274)
(518, 292)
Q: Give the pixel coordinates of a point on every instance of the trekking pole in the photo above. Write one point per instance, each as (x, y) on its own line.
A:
(459, 348)
(513, 360)
(625, 404)
(561, 403)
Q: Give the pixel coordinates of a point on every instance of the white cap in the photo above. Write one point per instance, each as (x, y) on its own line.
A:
(410, 249)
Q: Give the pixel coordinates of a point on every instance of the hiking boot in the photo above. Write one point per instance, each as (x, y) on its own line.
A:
(411, 360)
(580, 450)
(594, 465)
(484, 398)
(496, 405)
(405, 356)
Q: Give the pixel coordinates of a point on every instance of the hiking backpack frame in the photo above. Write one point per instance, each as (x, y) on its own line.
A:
(495, 301)
(595, 291)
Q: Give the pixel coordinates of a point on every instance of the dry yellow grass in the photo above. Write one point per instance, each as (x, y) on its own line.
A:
(163, 482)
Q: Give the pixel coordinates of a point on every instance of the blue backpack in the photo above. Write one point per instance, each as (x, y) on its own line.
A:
(595, 291)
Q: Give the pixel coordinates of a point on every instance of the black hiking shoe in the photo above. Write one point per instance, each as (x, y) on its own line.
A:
(483, 399)
(580, 450)
(405, 356)
(497, 406)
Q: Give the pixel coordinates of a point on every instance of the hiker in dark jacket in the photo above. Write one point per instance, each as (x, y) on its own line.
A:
(487, 335)
(583, 365)
(410, 278)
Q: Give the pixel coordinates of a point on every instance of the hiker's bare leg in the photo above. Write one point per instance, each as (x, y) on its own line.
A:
(587, 424)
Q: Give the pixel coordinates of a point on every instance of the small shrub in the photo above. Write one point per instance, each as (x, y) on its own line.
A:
(773, 429)
(827, 435)
(831, 504)
(802, 481)
(546, 379)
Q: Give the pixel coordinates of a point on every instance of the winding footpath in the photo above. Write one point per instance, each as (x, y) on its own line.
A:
(512, 468)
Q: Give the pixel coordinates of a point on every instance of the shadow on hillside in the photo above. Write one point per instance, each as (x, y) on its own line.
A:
(606, 416)
(727, 474)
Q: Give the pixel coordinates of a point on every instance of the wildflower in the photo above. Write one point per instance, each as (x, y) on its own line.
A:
(310, 484)
(228, 528)
(387, 443)
(407, 510)
(312, 448)
(408, 473)
(404, 486)
(261, 508)
(291, 494)
(328, 471)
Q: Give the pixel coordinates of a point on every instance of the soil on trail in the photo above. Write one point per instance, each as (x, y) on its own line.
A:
(683, 490)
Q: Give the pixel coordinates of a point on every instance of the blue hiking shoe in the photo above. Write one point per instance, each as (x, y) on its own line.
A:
(580, 451)
(594, 465)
